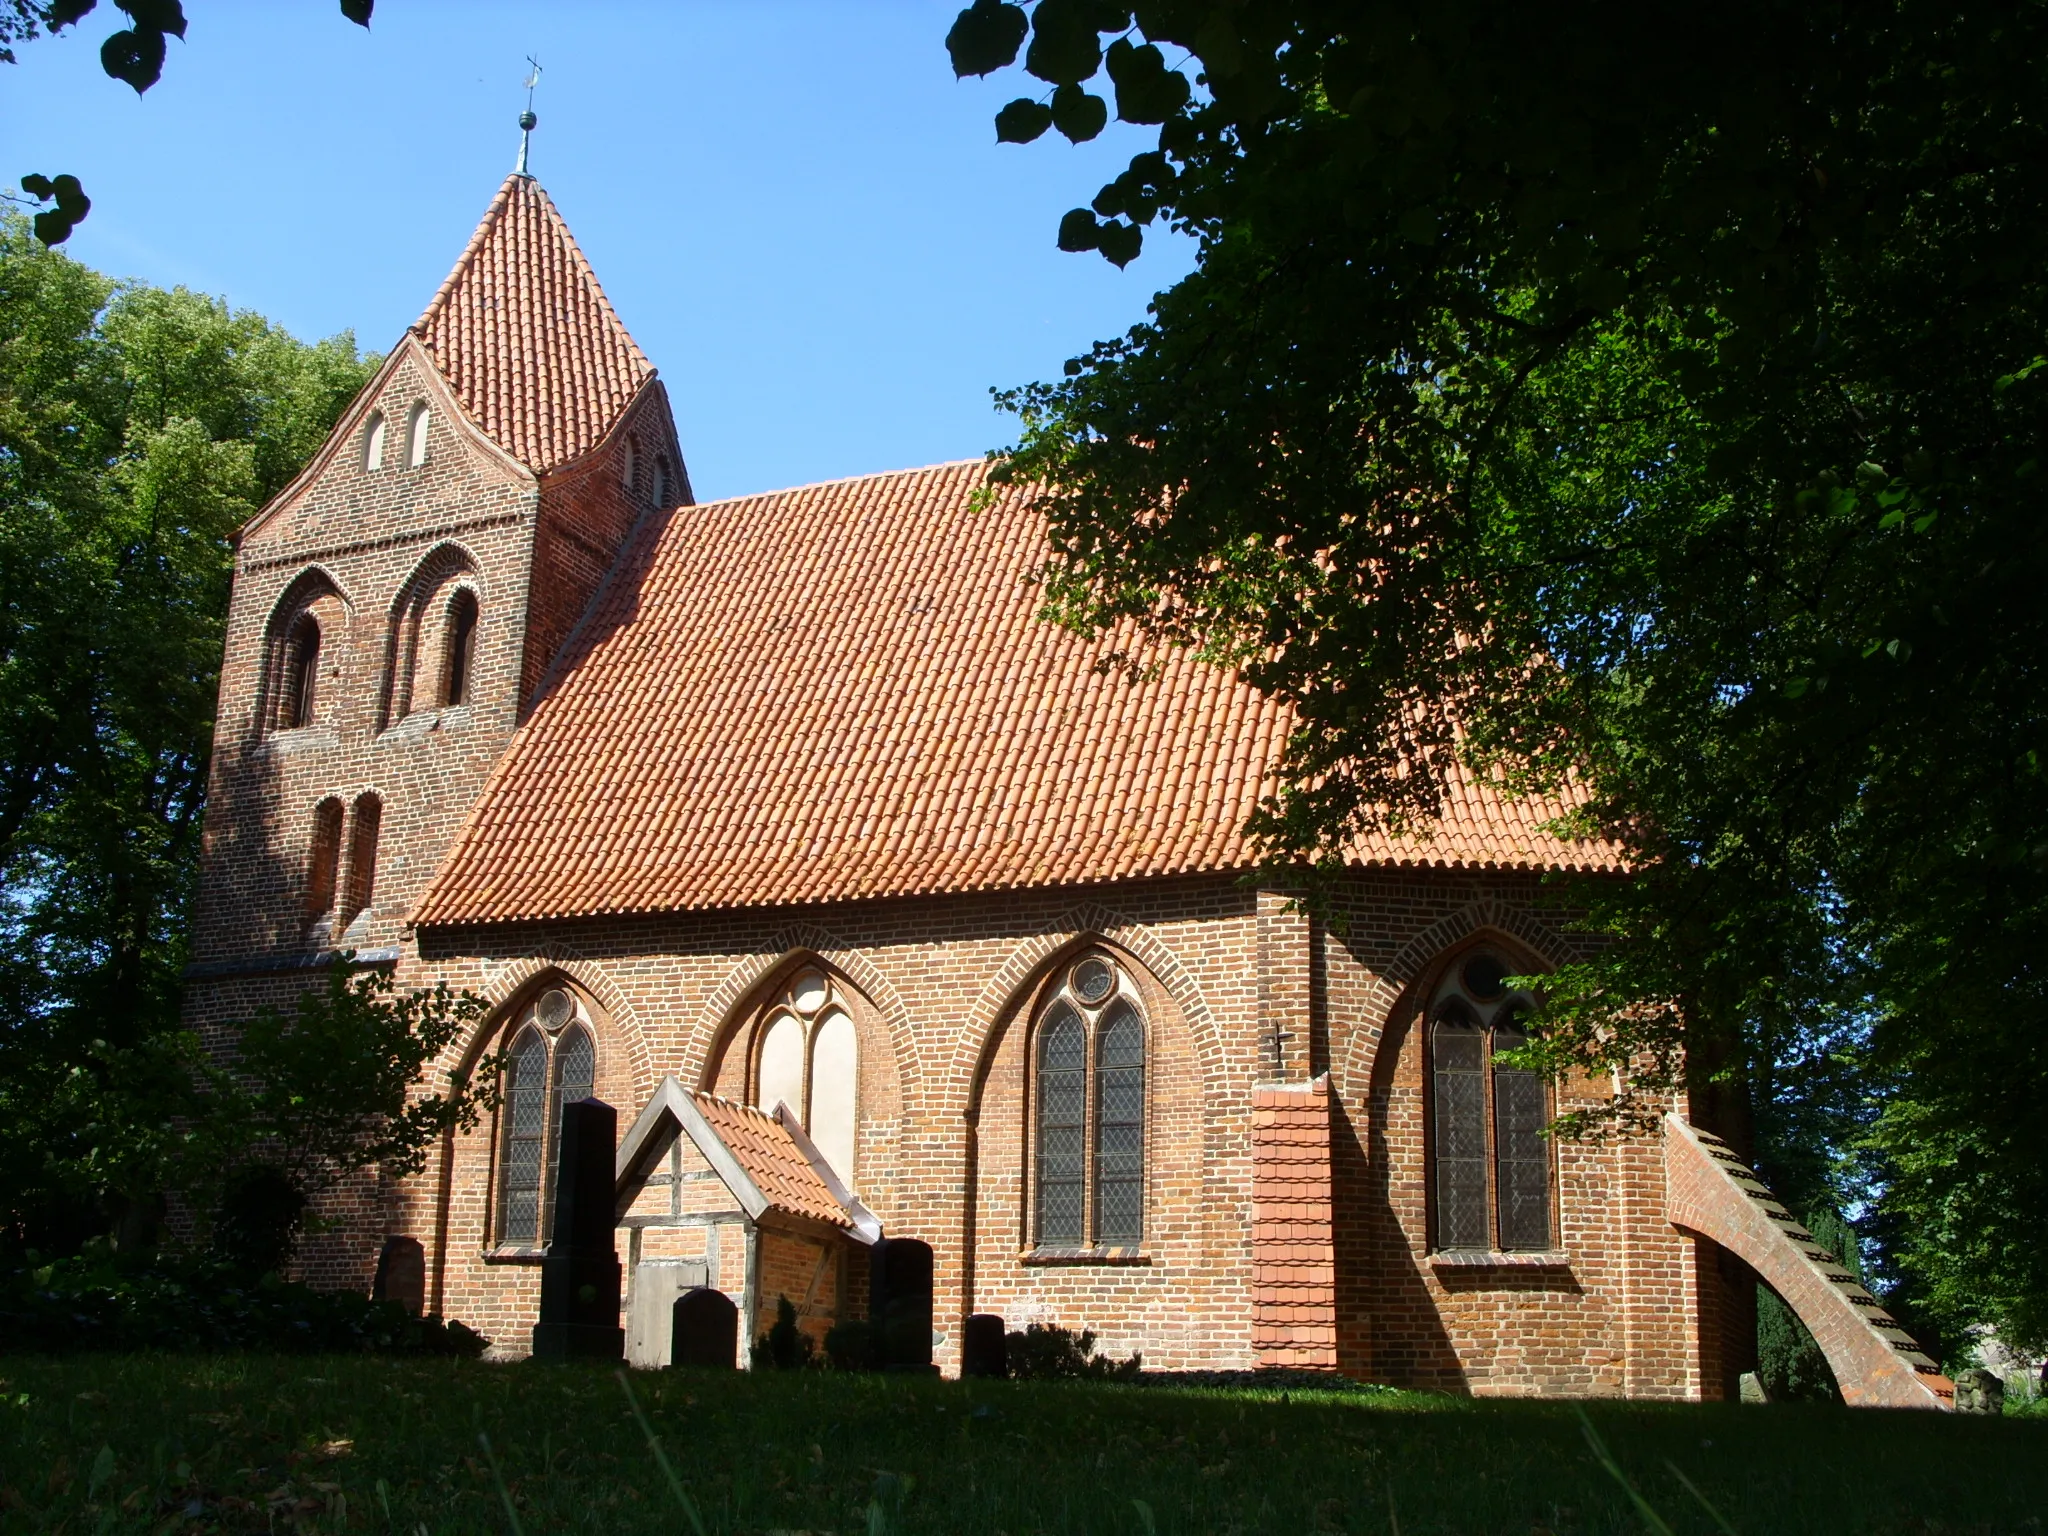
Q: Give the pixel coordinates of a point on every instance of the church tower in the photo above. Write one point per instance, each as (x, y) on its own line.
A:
(397, 608)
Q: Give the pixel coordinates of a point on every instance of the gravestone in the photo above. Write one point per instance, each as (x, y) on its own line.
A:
(900, 1303)
(706, 1330)
(579, 1278)
(1751, 1387)
(984, 1347)
(402, 1274)
(1980, 1391)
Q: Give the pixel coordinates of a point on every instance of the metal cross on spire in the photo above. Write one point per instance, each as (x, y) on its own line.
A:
(527, 121)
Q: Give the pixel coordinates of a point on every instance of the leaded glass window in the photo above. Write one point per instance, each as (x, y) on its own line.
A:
(1089, 1096)
(1062, 1126)
(1521, 1152)
(1490, 1178)
(551, 1061)
(525, 1115)
(1120, 1127)
(1460, 1071)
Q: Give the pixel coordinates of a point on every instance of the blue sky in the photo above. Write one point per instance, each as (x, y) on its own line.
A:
(801, 215)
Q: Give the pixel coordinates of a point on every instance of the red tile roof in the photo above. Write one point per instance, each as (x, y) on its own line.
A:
(845, 691)
(527, 339)
(763, 1147)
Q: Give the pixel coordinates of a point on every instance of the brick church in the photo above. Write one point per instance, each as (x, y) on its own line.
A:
(785, 826)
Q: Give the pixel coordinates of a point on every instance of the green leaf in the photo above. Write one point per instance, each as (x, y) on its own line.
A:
(1419, 226)
(1065, 47)
(38, 186)
(986, 37)
(62, 13)
(136, 56)
(358, 11)
(1079, 114)
(1146, 90)
(156, 15)
(1120, 243)
(1079, 231)
(1022, 121)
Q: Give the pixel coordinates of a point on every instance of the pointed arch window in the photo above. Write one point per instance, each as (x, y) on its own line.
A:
(416, 425)
(323, 861)
(373, 442)
(551, 1061)
(1491, 1174)
(366, 826)
(1089, 1107)
(460, 653)
(301, 680)
(807, 1056)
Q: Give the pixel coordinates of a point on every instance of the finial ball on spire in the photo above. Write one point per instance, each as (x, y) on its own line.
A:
(528, 122)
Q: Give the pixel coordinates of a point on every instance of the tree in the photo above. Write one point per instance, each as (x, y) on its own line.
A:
(133, 54)
(138, 429)
(1647, 407)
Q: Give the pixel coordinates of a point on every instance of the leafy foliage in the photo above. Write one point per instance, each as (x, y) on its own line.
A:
(785, 1346)
(1047, 1352)
(138, 429)
(1644, 408)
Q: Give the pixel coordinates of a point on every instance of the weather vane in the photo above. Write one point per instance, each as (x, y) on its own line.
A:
(527, 121)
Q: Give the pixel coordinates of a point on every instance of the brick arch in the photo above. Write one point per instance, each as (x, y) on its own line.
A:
(447, 562)
(1516, 925)
(792, 945)
(511, 982)
(1018, 975)
(313, 584)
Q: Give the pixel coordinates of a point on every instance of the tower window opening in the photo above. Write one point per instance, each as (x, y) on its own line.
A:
(660, 483)
(301, 674)
(416, 436)
(373, 442)
(324, 859)
(362, 858)
(461, 654)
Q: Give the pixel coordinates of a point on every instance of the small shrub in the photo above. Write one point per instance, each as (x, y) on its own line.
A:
(1045, 1352)
(851, 1346)
(784, 1347)
(97, 1302)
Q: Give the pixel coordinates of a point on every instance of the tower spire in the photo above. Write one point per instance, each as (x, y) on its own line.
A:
(527, 121)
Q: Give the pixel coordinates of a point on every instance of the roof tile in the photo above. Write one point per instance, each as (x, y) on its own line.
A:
(846, 691)
(526, 338)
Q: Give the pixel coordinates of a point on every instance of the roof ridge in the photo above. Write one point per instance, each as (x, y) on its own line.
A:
(819, 485)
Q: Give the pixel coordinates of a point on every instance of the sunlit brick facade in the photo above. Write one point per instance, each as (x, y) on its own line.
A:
(794, 798)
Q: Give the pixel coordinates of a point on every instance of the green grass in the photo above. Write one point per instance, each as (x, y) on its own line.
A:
(262, 1443)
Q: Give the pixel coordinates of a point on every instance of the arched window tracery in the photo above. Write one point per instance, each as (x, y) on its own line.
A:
(1491, 1177)
(807, 1055)
(1089, 1095)
(551, 1061)
(435, 638)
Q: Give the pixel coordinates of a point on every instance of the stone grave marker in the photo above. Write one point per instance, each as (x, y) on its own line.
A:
(705, 1330)
(984, 1347)
(579, 1278)
(402, 1274)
